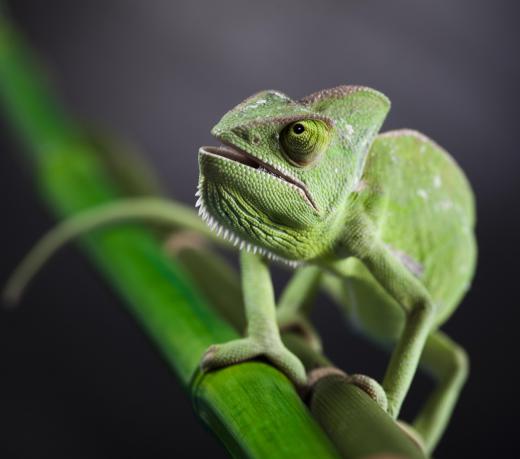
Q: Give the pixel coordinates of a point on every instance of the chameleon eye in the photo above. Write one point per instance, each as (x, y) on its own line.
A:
(304, 140)
(298, 128)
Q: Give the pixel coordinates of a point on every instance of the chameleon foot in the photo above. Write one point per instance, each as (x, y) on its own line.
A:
(365, 383)
(371, 387)
(240, 350)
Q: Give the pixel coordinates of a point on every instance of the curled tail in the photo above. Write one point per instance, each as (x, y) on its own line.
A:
(155, 210)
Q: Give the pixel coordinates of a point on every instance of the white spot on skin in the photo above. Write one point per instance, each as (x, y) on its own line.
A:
(336, 170)
(345, 130)
(437, 181)
(280, 95)
(412, 265)
(422, 193)
(361, 185)
(255, 104)
(446, 205)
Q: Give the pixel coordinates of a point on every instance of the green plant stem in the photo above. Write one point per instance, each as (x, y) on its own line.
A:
(72, 177)
(219, 399)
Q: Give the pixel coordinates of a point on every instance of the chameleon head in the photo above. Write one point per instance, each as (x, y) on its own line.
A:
(281, 179)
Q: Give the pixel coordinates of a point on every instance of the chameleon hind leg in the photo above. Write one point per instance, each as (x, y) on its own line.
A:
(262, 336)
(448, 363)
(443, 359)
(419, 314)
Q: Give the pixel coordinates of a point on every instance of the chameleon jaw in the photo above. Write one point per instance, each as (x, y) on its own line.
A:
(231, 152)
(234, 239)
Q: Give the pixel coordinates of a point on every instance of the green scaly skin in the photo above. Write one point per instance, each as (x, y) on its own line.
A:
(390, 217)
(383, 222)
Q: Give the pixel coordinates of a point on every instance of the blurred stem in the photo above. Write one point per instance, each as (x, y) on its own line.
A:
(72, 177)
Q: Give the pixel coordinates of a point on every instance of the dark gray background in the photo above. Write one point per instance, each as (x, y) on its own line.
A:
(78, 377)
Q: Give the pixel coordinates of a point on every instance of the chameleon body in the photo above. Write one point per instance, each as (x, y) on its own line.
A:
(383, 222)
(389, 218)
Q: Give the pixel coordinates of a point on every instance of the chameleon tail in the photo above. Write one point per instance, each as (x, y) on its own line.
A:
(156, 210)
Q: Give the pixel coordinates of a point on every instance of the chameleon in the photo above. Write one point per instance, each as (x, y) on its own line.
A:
(383, 221)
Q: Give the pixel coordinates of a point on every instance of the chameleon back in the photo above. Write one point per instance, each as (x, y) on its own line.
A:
(422, 206)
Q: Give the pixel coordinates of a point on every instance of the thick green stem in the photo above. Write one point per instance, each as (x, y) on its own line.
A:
(248, 430)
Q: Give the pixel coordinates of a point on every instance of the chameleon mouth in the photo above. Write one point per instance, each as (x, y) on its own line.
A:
(235, 154)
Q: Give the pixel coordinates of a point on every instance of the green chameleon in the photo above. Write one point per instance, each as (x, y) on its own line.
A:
(384, 222)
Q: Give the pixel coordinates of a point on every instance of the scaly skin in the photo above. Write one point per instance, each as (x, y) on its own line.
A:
(390, 216)
(384, 223)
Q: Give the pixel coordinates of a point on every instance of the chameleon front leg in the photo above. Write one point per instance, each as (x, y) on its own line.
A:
(262, 336)
(408, 291)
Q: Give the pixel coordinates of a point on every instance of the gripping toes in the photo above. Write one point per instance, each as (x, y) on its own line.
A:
(240, 350)
(365, 383)
(231, 353)
(371, 387)
(288, 364)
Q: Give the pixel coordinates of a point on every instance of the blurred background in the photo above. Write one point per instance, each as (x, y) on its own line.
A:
(79, 379)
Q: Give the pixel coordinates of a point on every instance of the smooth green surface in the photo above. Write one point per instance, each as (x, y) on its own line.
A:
(71, 178)
(219, 399)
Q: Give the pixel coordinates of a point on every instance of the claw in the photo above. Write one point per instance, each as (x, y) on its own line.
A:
(207, 358)
(372, 388)
(365, 383)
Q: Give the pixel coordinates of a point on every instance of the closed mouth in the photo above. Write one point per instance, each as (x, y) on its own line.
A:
(236, 154)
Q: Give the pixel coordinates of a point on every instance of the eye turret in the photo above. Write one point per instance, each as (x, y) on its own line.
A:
(303, 141)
